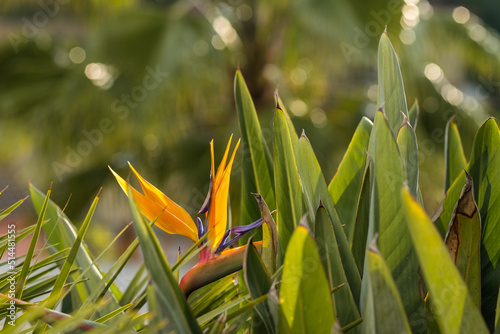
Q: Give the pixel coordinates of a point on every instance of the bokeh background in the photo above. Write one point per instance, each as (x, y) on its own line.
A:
(87, 84)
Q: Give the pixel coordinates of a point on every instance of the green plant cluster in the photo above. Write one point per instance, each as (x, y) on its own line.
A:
(358, 254)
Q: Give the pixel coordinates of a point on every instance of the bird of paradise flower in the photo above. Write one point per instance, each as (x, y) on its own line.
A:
(216, 259)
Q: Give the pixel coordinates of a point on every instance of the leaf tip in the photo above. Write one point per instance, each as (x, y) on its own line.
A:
(5, 188)
(304, 223)
(373, 245)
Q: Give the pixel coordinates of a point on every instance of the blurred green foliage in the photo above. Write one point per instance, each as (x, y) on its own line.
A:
(89, 84)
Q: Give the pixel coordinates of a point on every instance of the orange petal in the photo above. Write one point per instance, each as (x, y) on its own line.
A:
(171, 217)
(222, 165)
(217, 216)
(212, 170)
(121, 182)
(156, 195)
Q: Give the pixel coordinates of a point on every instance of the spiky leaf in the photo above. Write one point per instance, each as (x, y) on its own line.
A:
(452, 304)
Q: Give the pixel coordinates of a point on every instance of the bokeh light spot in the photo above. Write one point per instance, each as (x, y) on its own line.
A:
(298, 108)
(433, 72)
(461, 15)
(77, 55)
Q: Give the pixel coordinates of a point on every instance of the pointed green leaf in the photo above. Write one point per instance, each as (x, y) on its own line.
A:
(442, 216)
(29, 255)
(291, 129)
(362, 221)
(346, 184)
(485, 170)
(463, 240)
(70, 260)
(135, 285)
(11, 208)
(61, 234)
(205, 318)
(347, 311)
(413, 114)
(205, 299)
(172, 305)
(257, 166)
(305, 302)
(407, 143)
(452, 304)
(258, 284)
(113, 314)
(453, 154)
(269, 236)
(383, 310)
(316, 192)
(289, 203)
(387, 219)
(112, 274)
(391, 94)
(218, 327)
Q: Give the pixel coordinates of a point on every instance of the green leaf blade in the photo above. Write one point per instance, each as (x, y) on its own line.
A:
(171, 304)
(407, 143)
(62, 234)
(315, 193)
(453, 306)
(485, 172)
(413, 114)
(391, 94)
(387, 218)
(257, 166)
(345, 187)
(289, 202)
(383, 310)
(29, 255)
(11, 208)
(463, 240)
(454, 154)
(347, 310)
(258, 284)
(71, 259)
(305, 302)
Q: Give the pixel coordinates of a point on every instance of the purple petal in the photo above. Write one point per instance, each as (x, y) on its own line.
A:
(246, 228)
(206, 204)
(223, 244)
(201, 229)
(240, 232)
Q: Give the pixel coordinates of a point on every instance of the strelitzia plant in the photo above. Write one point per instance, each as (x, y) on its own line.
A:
(216, 258)
(360, 254)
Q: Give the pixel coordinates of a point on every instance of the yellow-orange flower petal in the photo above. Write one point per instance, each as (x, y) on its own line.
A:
(172, 218)
(217, 214)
